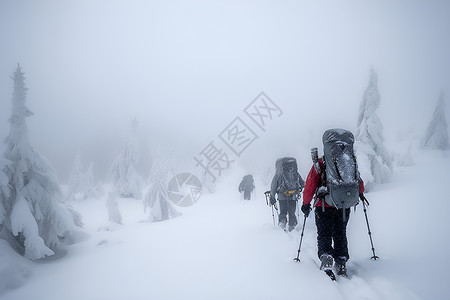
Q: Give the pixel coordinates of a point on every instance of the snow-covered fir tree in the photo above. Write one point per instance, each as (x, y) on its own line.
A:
(4, 190)
(126, 180)
(436, 137)
(90, 189)
(114, 214)
(34, 219)
(156, 198)
(374, 162)
(76, 180)
(81, 183)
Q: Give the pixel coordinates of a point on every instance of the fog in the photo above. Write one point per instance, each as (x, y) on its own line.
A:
(186, 69)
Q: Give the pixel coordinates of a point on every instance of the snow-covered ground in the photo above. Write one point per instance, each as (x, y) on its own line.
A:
(227, 248)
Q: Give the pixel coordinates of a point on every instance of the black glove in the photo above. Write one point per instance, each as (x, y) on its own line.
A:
(272, 200)
(306, 209)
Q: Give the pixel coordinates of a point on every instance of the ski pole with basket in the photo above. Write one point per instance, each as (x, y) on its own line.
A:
(297, 259)
(365, 203)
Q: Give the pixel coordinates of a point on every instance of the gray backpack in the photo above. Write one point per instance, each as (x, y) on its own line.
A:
(341, 169)
(247, 183)
(288, 176)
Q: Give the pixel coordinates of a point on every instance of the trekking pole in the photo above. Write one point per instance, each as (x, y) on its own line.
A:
(273, 217)
(364, 202)
(297, 259)
(267, 193)
(299, 197)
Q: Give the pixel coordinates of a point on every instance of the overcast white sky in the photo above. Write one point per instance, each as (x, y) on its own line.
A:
(186, 69)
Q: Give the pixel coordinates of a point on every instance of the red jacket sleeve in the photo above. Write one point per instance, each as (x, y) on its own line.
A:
(361, 186)
(311, 184)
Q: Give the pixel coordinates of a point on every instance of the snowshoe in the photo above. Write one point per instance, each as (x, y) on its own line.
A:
(326, 262)
(341, 268)
(330, 274)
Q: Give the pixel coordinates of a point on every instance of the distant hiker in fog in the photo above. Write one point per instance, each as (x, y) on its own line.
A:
(247, 186)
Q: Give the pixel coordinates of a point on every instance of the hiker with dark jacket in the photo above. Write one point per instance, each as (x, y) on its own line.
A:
(246, 186)
(287, 184)
(331, 222)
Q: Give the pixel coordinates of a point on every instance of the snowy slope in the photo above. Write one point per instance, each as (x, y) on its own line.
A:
(227, 248)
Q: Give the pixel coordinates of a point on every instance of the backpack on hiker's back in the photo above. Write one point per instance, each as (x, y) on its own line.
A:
(247, 183)
(288, 180)
(341, 175)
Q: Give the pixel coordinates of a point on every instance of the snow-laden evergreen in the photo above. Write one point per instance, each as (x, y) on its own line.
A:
(126, 180)
(4, 190)
(114, 214)
(90, 188)
(75, 185)
(374, 162)
(156, 199)
(436, 137)
(81, 183)
(34, 219)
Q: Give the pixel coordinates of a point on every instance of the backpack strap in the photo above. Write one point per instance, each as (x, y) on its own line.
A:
(323, 178)
(337, 169)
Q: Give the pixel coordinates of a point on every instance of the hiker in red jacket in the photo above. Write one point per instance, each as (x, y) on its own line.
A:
(331, 222)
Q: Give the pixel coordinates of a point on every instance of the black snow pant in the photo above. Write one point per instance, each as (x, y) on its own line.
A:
(287, 207)
(247, 195)
(332, 232)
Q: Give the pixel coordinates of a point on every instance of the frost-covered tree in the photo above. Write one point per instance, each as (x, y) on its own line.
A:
(4, 190)
(76, 180)
(90, 189)
(156, 199)
(34, 219)
(81, 183)
(374, 162)
(436, 137)
(126, 180)
(114, 214)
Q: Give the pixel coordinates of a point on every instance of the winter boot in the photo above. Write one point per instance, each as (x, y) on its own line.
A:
(282, 225)
(290, 228)
(341, 268)
(326, 262)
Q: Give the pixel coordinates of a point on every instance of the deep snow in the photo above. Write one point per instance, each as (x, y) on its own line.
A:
(224, 247)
